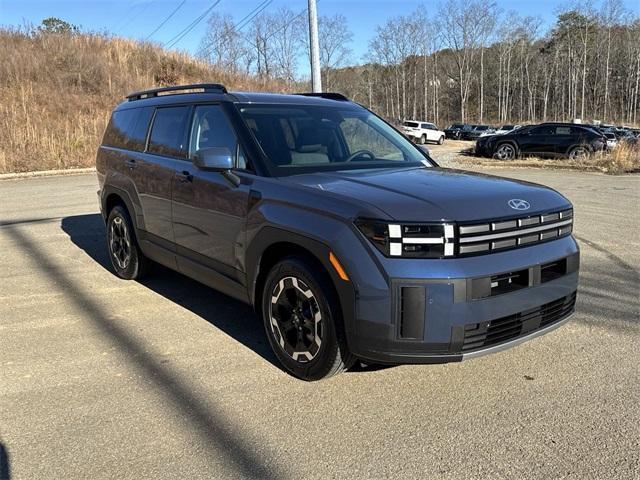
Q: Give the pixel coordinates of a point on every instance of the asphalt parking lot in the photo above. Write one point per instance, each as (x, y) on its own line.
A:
(103, 378)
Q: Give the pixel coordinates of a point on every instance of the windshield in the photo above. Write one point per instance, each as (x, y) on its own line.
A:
(507, 127)
(309, 138)
(457, 126)
(411, 124)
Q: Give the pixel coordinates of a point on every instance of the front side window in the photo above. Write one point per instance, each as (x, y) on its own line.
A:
(168, 133)
(297, 138)
(211, 128)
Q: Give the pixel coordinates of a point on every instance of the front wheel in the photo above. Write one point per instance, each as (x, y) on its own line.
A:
(505, 151)
(441, 140)
(302, 320)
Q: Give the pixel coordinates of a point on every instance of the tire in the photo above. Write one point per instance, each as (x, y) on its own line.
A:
(423, 139)
(578, 152)
(127, 259)
(505, 151)
(299, 305)
(441, 140)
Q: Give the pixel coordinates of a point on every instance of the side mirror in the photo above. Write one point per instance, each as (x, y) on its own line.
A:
(215, 159)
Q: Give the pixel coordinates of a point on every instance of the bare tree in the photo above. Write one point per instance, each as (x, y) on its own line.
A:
(463, 24)
(335, 38)
(222, 44)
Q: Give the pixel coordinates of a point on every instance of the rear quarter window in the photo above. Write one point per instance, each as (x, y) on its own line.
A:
(127, 129)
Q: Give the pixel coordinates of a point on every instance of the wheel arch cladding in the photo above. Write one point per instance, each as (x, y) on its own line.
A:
(273, 244)
(113, 196)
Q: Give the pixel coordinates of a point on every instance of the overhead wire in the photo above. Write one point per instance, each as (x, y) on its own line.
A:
(184, 32)
(166, 20)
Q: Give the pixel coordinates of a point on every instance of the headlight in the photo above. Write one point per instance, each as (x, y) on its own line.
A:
(411, 240)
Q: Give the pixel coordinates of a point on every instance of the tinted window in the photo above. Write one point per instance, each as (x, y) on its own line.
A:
(127, 129)
(411, 124)
(543, 130)
(138, 135)
(211, 128)
(168, 134)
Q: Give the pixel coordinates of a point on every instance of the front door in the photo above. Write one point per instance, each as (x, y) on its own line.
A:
(538, 141)
(210, 208)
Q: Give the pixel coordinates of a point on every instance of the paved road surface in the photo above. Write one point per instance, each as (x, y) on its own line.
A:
(103, 378)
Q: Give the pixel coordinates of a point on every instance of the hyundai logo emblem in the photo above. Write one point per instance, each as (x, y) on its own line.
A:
(519, 204)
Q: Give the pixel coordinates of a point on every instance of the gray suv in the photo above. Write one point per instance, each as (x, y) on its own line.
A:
(350, 242)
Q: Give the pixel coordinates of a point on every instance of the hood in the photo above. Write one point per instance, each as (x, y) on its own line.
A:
(430, 194)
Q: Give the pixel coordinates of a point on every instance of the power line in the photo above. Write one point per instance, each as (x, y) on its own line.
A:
(176, 39)
(258, 10)
(131, 19)
(241, 24)
(165, 20)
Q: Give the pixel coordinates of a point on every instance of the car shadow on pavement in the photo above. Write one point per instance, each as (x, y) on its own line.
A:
(233, 317)
(236, 319)
(220, 435)
(5, 472)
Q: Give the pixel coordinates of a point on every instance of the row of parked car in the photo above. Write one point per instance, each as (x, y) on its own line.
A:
(550, 139)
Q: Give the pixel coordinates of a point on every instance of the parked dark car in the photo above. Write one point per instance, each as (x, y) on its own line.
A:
(455, 130)
(476, 131)
(348, 240)
(544, 140)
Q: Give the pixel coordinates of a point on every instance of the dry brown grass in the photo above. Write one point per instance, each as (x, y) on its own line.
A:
(57, 91)
(624, 158)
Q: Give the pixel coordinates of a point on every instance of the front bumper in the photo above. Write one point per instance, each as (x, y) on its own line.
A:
(436, 318)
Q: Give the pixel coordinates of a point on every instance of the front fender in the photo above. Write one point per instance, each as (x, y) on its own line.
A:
(319, 233)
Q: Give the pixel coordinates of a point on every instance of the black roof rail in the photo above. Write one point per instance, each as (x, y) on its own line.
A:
(207, 87)
(329, 95)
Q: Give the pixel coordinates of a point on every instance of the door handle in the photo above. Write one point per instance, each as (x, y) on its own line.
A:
(184, 176)
(131, 163)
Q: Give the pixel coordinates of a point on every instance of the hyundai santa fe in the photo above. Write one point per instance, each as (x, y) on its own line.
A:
(350, 242)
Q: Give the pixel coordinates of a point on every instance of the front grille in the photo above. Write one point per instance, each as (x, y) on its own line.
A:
(489, 236)
(442, 240)
(486, 334)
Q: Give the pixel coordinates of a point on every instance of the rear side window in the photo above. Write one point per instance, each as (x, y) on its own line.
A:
(169, 132)
(127, 129)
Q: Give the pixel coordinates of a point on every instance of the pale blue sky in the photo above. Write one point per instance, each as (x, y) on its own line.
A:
(138, 18)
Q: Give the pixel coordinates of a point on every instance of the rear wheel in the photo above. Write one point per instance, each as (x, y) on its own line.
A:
(578, 152)
(301, 315)
(423, 139)
(505, 151)
(441, 140)
(127, 259)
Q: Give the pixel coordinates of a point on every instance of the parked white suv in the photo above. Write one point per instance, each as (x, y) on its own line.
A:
(423, 132)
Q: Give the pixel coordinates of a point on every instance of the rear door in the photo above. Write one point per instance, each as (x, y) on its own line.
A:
(210, 208)
(565, 137)
(166, 153)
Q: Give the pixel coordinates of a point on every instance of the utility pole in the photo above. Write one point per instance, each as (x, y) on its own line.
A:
(316, 79)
